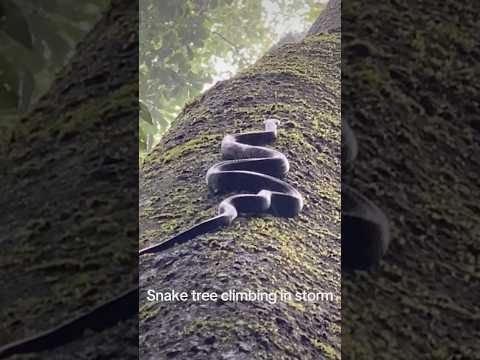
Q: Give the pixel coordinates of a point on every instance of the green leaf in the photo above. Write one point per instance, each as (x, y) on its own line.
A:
(14, 24)
(145, 114)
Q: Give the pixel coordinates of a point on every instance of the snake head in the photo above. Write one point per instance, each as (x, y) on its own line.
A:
(272, 121)
(271, 124)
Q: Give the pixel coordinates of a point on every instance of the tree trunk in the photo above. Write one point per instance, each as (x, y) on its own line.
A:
(411, 95)
(69, 187)
(330, 19)
(299, 84)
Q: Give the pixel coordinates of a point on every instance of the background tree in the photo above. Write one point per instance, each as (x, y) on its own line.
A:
(183, 44)
(69, 194)
(36, 39)
(298, 83)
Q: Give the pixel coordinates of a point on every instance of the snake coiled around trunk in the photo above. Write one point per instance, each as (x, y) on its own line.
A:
(248, 167)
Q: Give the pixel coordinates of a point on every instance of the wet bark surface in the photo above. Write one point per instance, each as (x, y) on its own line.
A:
(299, 84)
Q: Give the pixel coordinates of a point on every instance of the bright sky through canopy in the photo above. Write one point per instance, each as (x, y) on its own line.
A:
(278, 25)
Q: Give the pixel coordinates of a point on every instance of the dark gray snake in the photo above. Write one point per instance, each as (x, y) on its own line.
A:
(248, 167)
(365, 229)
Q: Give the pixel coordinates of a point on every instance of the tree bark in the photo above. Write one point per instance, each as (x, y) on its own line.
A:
(410, 93)
(330, 19)
(299, 84)
(69, 193)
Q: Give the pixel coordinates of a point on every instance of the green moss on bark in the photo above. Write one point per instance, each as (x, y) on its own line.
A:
(300, 85)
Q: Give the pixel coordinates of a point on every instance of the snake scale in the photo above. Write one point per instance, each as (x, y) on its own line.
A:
(249, 168)
(256, 172)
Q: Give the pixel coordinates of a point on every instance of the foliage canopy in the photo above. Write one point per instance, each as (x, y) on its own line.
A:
(37, 37)
(185, 46)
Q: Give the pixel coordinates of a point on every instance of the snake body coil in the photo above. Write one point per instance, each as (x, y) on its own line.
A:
(248, 167)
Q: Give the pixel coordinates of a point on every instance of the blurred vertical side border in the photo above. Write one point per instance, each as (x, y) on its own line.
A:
(69, 170)
(410, 94)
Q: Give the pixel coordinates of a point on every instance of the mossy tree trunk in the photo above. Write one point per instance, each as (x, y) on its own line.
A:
(411, 96)
(68, 199)
(299, 84)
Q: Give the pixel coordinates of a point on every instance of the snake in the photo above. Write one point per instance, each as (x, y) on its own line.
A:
(249, 168)
(365, 230)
